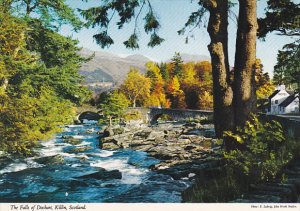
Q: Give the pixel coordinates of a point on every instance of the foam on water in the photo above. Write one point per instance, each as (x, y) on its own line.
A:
(19, 166)
(14, 167)
(79, 137)
(85, 121)
(75, 165)
(103, 153)
(84, 143)
(130, 174)
(72, 126)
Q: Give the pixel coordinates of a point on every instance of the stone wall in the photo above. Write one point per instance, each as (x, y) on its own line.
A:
(177, 114)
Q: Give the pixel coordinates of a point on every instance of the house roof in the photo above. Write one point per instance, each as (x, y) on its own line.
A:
(288, 100)
(290, 92)
(274, 93)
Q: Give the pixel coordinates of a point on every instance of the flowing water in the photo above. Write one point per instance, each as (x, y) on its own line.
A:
(30, 180)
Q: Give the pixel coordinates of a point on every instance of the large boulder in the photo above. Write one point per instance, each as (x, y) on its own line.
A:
(108, 132)
(51, 160)
(103, 174)
(73, 141)
(80, 149)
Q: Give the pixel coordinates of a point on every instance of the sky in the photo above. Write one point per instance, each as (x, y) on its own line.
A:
(172, 15)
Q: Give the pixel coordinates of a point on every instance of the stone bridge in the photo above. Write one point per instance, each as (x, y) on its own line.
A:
(150, 115)
(177, 114)
(87, 112)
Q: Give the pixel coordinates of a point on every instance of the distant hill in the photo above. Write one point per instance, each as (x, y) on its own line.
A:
(109, 67)
(192, 58)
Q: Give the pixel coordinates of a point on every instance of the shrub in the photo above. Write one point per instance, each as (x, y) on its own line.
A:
(263, 152)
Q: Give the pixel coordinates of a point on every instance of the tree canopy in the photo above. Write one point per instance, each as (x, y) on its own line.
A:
(283, 17)
(39, 82)
(51, 13)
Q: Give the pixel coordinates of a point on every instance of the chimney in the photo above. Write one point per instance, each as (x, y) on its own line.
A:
(280, 87)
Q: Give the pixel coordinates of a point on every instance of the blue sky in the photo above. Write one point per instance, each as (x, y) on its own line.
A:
(172, 15)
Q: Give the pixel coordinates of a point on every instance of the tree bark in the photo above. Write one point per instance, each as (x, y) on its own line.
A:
(134, 102)
(218, 48)
(244, 99)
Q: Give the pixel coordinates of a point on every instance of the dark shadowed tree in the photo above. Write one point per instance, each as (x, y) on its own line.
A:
(283, 17)
(177, 63)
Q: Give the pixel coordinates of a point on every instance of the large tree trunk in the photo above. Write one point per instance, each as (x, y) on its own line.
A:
(218, 48)
(244, 68)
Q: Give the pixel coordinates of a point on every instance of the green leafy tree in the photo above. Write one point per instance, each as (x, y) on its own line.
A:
(32, 105)
(61, 62)
(287, 68)
(164, 71)
(263, 151)
(25, 120)
(177, 65)
(114, 105)
(283, 16)
(52, 13)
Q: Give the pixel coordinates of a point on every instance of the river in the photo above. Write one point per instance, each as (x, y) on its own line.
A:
(28, 180)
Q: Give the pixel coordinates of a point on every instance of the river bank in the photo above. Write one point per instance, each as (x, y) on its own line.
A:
(185, 150)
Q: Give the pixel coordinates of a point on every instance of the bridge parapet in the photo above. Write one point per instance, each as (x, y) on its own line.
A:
(177, 114)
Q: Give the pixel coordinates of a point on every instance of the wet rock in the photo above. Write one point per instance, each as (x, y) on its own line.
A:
(118, 131)
(184, 168)
(142, 134)
(74, 183)
(153, 135)
(51, 160)
(109, 145)
(89, 131)
(66, 137)
(73, 141)
(184, 141)
(103, 174)
(80, 149)
(108, 132)
(3, 155)
(206, 143)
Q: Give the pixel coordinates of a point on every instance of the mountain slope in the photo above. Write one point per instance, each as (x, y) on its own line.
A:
(110, 67)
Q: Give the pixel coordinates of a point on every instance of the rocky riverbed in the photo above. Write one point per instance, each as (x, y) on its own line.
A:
(185, 150)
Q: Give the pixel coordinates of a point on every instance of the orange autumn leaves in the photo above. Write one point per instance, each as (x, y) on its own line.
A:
(171, 85)
(180, 85)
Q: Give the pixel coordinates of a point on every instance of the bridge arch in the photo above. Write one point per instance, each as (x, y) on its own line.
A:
(89, 115)
(155, 118)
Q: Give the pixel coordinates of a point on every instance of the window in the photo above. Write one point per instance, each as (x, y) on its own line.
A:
(276, 101)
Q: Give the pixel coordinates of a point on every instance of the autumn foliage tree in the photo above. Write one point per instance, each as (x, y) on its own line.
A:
(172, 91)
(136, 87)
(264, 85)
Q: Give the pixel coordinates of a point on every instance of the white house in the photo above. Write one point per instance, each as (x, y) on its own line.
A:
(290, 105)
(282, 101)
